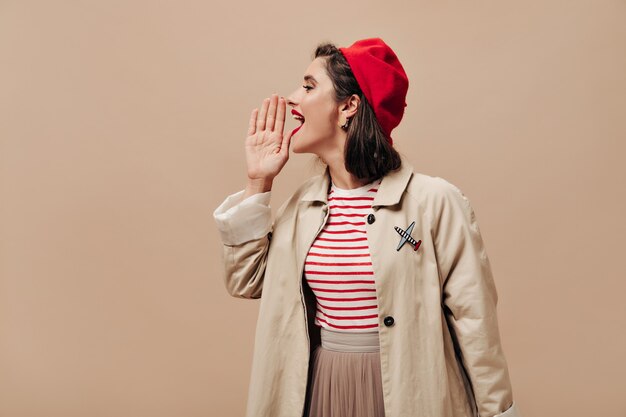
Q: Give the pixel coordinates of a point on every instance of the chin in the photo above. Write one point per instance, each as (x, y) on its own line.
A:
(300, 145)
(295, 146)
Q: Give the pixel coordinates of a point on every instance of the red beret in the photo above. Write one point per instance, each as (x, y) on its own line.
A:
(381, 78)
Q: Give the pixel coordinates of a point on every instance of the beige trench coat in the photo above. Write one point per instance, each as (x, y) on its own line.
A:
(440, 355)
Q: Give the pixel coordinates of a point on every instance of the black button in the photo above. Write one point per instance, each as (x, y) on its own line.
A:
(371, 219)
(388, 321)
(269, 236)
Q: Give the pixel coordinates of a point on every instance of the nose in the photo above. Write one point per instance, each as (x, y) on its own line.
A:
(292, 99)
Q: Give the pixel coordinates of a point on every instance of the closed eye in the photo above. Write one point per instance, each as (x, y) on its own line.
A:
(306, 87)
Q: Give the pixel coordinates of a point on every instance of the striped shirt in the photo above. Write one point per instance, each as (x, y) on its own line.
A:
(338, 267)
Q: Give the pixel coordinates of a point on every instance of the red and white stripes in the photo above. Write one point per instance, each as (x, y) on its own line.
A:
(338, 267)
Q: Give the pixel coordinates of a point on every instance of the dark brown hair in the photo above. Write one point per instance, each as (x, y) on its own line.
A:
(368, 155)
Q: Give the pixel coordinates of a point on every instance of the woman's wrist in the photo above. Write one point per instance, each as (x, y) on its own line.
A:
(256, 186)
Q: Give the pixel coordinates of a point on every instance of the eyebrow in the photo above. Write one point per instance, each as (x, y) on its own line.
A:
(310, 78)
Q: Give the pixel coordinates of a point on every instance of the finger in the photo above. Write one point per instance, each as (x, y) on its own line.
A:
(252, 123)
(260, 119)
(284, 146)
(271, 113)
(280, 116)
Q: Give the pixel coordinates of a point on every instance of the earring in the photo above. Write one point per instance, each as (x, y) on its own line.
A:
(345, 125)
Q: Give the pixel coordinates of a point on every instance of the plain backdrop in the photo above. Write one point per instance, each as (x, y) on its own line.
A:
(122, 126)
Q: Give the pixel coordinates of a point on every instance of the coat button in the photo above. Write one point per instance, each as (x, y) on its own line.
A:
(371, 219)
(388, 321)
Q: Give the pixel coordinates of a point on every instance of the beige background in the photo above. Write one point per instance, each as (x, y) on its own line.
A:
(122, 127)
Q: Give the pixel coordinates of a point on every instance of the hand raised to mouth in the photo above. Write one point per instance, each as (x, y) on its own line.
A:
(267, 148)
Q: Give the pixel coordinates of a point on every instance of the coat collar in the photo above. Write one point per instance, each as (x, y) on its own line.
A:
(389, 192)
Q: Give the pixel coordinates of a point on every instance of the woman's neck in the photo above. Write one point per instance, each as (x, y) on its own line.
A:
(341, 177)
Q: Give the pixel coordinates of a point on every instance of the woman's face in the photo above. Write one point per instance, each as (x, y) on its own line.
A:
(314, 100)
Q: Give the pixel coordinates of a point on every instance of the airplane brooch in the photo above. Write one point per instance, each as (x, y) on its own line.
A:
(406, 237)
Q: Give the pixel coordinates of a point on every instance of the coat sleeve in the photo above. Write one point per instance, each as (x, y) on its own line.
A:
(245, 230)
(469, 300)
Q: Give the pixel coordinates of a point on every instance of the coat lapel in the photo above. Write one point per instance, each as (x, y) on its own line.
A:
(312, 213)
(393, 185)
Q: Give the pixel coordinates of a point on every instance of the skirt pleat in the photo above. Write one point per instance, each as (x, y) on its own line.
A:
(346, 376)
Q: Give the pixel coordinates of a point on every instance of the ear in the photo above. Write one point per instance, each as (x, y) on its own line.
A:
(350, 105)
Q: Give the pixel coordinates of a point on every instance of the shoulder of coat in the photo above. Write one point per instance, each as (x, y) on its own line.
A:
(424, 186)
(438, 196)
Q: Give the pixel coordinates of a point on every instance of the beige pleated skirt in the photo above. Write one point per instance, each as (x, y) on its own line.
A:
(346, 379)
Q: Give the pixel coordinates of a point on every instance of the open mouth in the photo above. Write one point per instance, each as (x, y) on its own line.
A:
(299, 118)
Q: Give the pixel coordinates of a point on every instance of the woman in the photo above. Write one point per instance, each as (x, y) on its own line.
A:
(377, 297)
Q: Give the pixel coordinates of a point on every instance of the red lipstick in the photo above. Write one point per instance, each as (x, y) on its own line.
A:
(295, 113)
